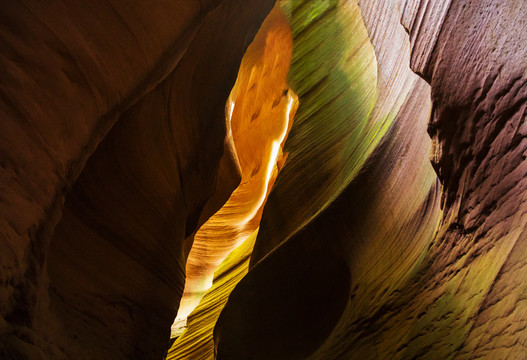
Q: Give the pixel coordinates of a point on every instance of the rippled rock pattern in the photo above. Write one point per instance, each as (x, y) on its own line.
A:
(423, 273)
(260, 110)
(396, 227)
(106, 283)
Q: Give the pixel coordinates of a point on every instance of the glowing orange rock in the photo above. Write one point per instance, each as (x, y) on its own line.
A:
(259, 113)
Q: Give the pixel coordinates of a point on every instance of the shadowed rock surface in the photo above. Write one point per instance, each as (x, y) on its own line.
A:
(429, 286)
(396, 228)
(116, 260)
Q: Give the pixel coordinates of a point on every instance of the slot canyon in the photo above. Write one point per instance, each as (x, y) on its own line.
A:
(263, 179)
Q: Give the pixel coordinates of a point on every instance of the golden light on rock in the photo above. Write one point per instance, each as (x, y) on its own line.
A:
(259, 114)
(149, 159)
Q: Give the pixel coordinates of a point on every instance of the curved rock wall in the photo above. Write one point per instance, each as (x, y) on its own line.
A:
(197, 341)
(328, 277)
(116, 260)
(260, 110)
(63, 85)
(332, 134)
(416, 281)
(469, 296)
(113, 127)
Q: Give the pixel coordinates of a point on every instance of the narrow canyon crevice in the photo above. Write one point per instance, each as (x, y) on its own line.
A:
(106, 284)
(326, 179)
(260, 112)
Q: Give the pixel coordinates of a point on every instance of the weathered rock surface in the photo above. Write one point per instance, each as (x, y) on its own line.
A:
(333, 133)
(260, 110)
(197, 341)
(345, 261)
(411, 286)
(116, 260)
(469, 294)
(115, 150)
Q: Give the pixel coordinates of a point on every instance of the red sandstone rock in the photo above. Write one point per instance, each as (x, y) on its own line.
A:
(113, 152)
(70, 71)
(463, 296)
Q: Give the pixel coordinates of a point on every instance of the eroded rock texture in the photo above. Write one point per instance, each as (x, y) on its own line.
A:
(260, 110)
(197, 341)
(116, 260)
(370, 239)
(333, 132)
(411, 283)
(119, 141)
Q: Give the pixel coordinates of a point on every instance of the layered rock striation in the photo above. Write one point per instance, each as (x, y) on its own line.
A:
(396, 227)
(419, 273)
(260, 111)
(94, 242)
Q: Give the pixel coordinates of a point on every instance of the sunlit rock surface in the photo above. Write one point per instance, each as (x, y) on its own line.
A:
(439, 307)
(396, 228)
(332, 134)
(265, 112)
(197, 341)
(259, 111)
(359, 250)
(107, 283)
(414, 281)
